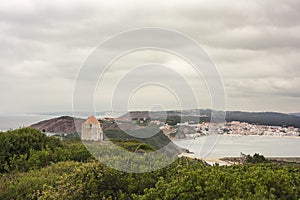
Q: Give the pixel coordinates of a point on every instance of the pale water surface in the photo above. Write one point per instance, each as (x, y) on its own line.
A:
(233, 145)
(22, 120)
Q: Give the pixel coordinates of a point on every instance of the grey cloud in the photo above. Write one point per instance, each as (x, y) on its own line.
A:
(256, 88)
(254, 44)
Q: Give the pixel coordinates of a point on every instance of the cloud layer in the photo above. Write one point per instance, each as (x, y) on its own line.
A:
(254, 45)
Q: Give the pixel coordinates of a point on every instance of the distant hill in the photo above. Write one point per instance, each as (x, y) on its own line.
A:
(264, 118)
(295, 114)
(63, 124)
(66, 124)
(204, 115)
(112, 130)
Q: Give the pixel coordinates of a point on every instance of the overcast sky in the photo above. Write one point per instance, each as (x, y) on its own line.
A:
(255, 46)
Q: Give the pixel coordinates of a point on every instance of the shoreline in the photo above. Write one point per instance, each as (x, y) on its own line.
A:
(210, 161)
(234, 160)
(237, 135)
(231, 145)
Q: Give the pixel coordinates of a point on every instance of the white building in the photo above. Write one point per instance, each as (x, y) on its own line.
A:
(91, 130)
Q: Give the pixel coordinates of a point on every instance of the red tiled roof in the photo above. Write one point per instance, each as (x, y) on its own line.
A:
(92, 120)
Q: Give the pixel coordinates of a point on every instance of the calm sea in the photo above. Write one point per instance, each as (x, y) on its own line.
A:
(22, 120)
(233, 145)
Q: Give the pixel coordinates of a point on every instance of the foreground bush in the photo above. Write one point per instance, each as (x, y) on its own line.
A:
(27, 148)
(31, 168)
(184, 179)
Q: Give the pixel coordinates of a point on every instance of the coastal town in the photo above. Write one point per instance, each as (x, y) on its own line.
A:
(191, 130)
(182, 130)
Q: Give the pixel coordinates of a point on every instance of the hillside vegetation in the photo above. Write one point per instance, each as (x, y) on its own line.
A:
(34, 166)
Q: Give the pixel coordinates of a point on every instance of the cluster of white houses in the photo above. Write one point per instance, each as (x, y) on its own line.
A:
(92, 130)
(234, 127)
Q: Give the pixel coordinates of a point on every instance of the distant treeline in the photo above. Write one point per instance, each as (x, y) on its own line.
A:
(262, 118)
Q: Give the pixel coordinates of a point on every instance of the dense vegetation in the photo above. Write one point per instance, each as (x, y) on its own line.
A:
(134, 146)
(69, 172)
(184, 179)
(157, 141)
(28, 148)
